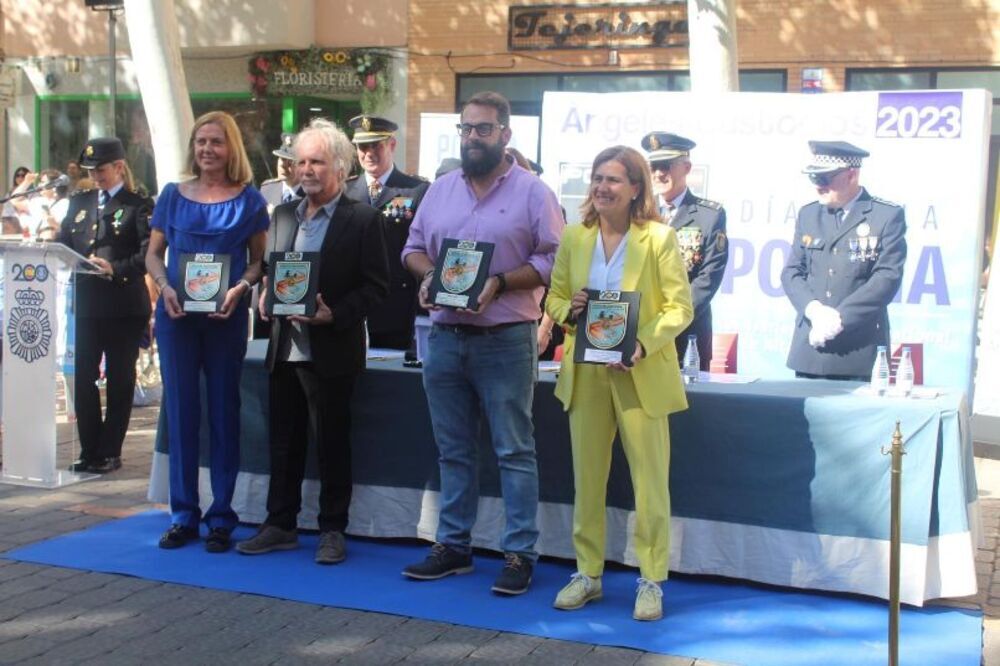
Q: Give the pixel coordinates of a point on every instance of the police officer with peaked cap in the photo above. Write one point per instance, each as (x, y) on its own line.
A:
(845, 266)
(110, 225)
(276, 191)
(701, 232)
(396, 196)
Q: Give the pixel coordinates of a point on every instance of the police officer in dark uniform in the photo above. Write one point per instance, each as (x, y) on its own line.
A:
(396, 196)
(701, 232)
(109, 225)
(845, 267)
(276, 191)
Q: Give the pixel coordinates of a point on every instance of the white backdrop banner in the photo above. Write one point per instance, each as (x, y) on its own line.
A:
(439, 139)
(929, 154)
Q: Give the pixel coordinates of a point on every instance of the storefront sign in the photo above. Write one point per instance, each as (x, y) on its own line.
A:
(618, 26)
(319, 71)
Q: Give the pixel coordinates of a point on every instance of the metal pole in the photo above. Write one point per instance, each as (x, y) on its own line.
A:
(113, 67)
(897, 452)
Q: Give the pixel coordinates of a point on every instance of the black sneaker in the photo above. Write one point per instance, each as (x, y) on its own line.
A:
(515, 576)
(443, 561)
(177, 536)
(218, 540)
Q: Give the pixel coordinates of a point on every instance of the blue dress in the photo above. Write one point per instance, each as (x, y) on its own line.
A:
(195, 344)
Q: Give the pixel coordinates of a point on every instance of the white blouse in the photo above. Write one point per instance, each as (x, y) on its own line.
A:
(606, 274)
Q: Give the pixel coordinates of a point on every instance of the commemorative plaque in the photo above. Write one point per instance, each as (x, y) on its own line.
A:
(292, 279)
(460, 273)
(606, 329)
(204, 281)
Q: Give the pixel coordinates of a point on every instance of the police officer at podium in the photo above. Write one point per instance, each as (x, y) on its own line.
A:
(396, 195)
(110, 225)
(701, 232)
(845, 266)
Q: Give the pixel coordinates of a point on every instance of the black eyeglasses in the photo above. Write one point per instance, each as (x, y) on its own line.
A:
(482, 129)
(824, 179)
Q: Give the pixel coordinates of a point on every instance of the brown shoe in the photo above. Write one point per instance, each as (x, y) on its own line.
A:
(267, 539)
(331, 549)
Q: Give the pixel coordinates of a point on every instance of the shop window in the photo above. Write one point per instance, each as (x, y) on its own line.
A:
(888, 80)
(763, 80)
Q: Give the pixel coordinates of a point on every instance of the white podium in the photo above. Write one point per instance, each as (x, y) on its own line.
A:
(31, 322)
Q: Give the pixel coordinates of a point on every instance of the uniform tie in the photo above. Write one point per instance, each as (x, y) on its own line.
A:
(287, 196)
(838, 214)
(667, 212)
(102, 198)
(374, 190)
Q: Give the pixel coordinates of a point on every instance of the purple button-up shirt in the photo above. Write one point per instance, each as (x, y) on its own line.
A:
(519, 215)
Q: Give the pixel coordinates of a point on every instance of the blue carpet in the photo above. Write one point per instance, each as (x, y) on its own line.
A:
(728, 622)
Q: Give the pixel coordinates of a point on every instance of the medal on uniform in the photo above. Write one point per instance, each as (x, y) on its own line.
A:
(872, 248)
(118, 220)
(853, 244)
(689, 240)
(80, 217)
(864, 229)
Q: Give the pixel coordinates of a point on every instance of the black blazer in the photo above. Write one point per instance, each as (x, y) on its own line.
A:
(707, 263)
(820, 267)
(119, 234)
(393, 319)
(353, 277)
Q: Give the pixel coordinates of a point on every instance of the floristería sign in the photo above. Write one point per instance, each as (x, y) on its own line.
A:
(316, 71)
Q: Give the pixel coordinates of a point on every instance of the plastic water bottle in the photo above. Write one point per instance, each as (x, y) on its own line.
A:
(904, 373)
(880, 372)
(692, 361)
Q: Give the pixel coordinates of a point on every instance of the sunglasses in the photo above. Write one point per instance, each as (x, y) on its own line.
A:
(661, 165)
(482, 129)
(824, 179)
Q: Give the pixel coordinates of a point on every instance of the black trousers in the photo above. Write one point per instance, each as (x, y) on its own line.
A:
(101, 436)
(305, 406)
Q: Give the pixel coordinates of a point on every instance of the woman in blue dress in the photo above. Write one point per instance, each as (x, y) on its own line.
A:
(217, 212)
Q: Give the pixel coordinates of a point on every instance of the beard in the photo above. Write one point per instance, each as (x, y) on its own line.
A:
(480, 166)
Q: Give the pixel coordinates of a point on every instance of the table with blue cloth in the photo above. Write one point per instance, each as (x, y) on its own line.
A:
(781, 482)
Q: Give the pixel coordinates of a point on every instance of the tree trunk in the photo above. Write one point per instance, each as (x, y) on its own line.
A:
(713, 52)
(156, 52)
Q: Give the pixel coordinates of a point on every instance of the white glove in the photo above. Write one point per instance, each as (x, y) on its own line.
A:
(825, 321)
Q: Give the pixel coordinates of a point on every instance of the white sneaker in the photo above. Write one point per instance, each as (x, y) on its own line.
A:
(648, 601)
(579, 591)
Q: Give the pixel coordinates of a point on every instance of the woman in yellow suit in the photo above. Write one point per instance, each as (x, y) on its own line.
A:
(621, 246)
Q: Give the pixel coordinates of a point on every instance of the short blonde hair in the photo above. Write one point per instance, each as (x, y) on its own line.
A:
(643, 207)
(342, 152)
(238, 166)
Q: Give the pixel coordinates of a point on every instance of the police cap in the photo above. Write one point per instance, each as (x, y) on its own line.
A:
(286, 150)
(829, 156)
(663, 147)
(100, 151)
(371, 129)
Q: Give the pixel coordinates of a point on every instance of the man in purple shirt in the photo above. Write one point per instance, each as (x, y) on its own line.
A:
(483, 361)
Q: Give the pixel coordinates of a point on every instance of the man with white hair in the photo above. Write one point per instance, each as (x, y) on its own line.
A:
(315, 361)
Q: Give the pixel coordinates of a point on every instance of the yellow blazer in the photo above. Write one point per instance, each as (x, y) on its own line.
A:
(653, 267)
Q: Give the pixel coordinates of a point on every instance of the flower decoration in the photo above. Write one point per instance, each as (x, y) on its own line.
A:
(319, 71)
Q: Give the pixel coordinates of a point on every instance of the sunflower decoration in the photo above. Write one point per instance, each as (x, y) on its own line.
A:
(328, 57)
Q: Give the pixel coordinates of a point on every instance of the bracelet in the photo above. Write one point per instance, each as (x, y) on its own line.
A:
(501, 283)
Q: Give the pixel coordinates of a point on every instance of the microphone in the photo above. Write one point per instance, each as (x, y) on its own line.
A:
(61, 181)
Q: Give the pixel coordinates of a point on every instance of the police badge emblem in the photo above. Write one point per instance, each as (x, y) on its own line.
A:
(205, 278)
(606, 323)
(28, 327)
(202, 279)
(460, 273)
(293, 278)
(460, 269)
(606, 330)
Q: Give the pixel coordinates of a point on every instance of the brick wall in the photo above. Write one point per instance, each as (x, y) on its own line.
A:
(772, 34)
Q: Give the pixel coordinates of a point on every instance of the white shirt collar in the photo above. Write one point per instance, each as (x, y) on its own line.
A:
(382, 179)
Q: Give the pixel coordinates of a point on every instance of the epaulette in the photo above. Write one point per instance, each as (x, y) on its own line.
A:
(885, 202)
(76, 192)
(708, 203)
(271, 180)
(354, 177)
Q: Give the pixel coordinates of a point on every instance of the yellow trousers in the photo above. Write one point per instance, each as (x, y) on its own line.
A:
(604, 401)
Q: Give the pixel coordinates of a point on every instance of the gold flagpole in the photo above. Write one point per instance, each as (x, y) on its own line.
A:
(897, 452)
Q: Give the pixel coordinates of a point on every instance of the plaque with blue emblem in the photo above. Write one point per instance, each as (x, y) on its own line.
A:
(607, 328)
(460, 273)
(204, 282)
(292, 281)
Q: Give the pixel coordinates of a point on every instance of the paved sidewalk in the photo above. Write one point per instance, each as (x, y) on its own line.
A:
(52, 615)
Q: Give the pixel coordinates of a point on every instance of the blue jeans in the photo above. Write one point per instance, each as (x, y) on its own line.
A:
(467, 376)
